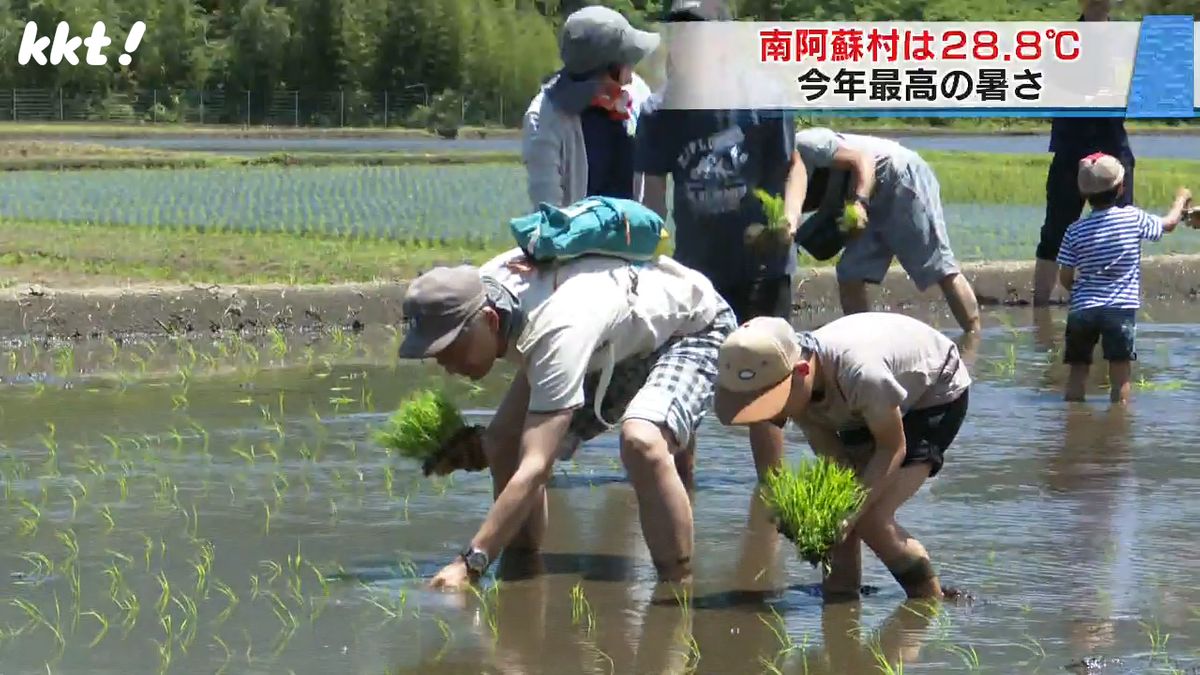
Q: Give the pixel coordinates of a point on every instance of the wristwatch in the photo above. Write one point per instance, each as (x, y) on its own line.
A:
(865, 201)
(476, 560)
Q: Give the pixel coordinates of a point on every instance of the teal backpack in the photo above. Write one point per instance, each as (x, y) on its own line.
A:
(620, 228)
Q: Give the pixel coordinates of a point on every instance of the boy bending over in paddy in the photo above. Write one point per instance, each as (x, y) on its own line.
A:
(1100, 265)
(593, 339)
(880, 392)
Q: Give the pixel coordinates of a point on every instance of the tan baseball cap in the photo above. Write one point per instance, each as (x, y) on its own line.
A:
(1099, 173)
(754, 371)
(437, 306)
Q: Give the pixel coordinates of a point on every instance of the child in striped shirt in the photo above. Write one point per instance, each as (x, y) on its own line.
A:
(1100, 265)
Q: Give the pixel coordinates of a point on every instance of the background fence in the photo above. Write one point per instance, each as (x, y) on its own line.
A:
(413, 106)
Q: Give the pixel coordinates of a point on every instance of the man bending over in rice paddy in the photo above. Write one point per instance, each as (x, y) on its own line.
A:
(1100, 265)
(640, 338)
(898, 199)
(883, 393)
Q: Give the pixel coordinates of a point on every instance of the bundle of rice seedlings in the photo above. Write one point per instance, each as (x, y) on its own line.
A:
(849, 223)
(809, 503)
(421, 426)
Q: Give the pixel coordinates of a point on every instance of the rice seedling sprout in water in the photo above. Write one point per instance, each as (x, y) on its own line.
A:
(421, 426)
(810, 501)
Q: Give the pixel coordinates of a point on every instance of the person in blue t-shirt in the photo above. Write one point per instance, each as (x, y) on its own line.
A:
(1100, 264)
(1072, 139)
(716, 161)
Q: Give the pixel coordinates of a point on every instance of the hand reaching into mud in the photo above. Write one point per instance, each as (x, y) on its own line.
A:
(463, 451)
(763, 241)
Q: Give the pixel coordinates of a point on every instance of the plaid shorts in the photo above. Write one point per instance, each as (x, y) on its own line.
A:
(671, 387)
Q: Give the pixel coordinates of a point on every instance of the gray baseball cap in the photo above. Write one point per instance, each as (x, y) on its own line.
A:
(698, 10)
(437, 306)
(596, 36)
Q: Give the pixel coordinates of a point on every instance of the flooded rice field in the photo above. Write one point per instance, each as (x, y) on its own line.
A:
(219, 506)
(1145, 145)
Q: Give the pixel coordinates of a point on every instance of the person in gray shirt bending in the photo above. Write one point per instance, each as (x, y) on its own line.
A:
(897, 197)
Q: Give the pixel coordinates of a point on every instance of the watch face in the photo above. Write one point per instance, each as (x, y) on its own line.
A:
(477, 561)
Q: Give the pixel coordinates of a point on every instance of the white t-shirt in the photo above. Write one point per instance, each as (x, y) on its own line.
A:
(575, 313)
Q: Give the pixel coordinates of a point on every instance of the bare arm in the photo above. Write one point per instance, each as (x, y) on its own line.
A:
(859, 163)
(654, 194)
(1182, 199)
(503, 433)
(887, 428)
(1066, 277)
(794, 192)
(824, 441)
(539, 443)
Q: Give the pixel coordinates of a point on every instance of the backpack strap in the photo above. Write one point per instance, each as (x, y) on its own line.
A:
(605, 380)
(610, 363)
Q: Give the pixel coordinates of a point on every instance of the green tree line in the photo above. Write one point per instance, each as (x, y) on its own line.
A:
(420, 51)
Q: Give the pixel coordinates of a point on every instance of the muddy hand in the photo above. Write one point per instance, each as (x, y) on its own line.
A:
(452, 577)
(463, 451)
(762, 240)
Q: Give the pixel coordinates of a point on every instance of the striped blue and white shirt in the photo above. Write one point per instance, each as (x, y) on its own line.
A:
(1105, 248)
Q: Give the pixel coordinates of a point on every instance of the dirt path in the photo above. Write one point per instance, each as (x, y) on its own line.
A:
(68, 312)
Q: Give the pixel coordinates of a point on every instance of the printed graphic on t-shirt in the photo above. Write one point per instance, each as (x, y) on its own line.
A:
(714, 167)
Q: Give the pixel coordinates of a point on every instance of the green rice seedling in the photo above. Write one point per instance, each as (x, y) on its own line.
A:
(1158, 639)
(489, 599)
(886, 667)
(581, 609)
(421, 426)
(29, 526)
(267, 521)
(447, 638)
(810, 501)
(392, 606)
(692, 655)
(278, 343)
(969, 656)
(103, 627)
(1034, 647)
(786, 645)
(228, 653)
(231, 600)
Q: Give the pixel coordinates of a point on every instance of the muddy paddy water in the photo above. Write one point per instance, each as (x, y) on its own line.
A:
(219, 507)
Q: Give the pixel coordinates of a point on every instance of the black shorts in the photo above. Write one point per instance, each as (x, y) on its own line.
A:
(1064, 204)
(928, 432)
(762, 297)
(1115, 330)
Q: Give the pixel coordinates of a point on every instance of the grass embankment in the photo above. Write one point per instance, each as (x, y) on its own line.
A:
(78, 254)
(995, 178)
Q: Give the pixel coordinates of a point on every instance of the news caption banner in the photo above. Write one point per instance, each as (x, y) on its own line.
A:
(1143, 69)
